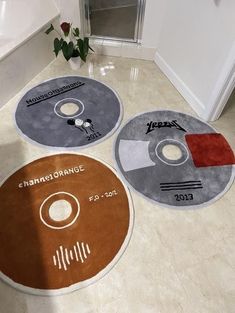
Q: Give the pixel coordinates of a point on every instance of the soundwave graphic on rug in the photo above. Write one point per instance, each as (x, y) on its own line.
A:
(174, 159)
(68, 112)
(65, 220)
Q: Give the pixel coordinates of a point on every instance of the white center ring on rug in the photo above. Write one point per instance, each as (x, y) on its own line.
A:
(74, 108)
(53, 203)
(182, 152)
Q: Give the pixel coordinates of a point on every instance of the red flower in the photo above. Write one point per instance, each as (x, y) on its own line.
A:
(65, 27)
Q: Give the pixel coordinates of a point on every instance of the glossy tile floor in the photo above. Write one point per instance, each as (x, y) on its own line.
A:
(177, 261)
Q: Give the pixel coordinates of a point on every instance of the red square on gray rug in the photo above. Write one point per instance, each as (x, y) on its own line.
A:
(210, 150)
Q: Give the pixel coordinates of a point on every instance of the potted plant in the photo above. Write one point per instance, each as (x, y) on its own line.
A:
(69, 42)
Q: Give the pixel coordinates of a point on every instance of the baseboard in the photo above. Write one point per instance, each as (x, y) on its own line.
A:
(223, 88)
(183, 89)
(122, 49)
(223, 97)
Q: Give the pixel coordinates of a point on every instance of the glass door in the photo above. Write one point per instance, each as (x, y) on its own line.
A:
(114, 19)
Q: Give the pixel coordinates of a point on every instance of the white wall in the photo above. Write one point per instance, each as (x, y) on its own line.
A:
(153, 20)
(194, 40)
(69, 11)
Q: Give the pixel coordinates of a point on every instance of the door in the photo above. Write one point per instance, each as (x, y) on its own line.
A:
(114, 19)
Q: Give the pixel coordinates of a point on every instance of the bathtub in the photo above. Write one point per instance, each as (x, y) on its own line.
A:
(22, 40)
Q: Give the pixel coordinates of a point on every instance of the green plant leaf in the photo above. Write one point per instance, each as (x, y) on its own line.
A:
(86, 45)
(75, 53)
(67, 49)
(81, 49)
(50, 29)
(76, 32)
(91, 48)
(57, 46)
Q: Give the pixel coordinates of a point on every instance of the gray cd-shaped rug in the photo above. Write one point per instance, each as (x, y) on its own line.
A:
(174, 159)
(68, 112)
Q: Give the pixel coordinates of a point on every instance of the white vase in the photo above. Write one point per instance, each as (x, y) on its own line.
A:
(75, 63)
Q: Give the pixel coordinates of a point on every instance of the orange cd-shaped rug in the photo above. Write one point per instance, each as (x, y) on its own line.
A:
(65, 220)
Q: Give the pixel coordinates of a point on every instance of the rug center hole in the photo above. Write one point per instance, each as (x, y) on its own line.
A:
(69, 108)
(172, 152)
(60, 210)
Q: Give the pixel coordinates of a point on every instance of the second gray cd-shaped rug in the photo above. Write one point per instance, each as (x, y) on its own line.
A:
(68, 112)
(174, 159)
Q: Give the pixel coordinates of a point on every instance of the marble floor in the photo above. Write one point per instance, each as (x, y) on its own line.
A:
(177, 261)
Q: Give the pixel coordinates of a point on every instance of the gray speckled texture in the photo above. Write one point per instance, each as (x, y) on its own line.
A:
(147, 179)
(40, 123)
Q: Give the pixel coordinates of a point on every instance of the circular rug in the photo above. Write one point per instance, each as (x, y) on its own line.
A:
(68, 112)
(174, 159)
(65, 220)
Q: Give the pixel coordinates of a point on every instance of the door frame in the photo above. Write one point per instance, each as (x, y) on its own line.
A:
(223, 88)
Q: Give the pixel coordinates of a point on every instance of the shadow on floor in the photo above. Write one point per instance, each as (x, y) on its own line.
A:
(18, 228)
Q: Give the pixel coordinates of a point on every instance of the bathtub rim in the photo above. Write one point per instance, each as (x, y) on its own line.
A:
(32, 34)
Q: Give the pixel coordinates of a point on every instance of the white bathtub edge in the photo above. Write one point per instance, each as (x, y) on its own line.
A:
(23, 64)
(28, 37)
